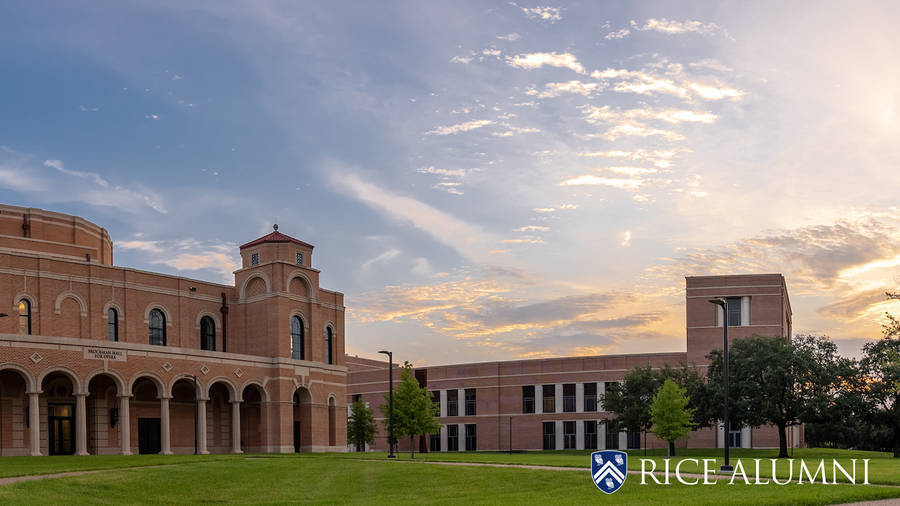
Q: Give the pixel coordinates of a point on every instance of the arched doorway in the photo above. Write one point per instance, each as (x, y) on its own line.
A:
(253, 420)
(181, 416)
(332, 422)
(57, 405)
(15, 433)
(302, 420)
(219, 418)
(103, 417)
(145, 411)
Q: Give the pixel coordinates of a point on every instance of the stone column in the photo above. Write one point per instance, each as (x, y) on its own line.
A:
(34, 422)
(443, 405)
(236, 427)
(443, 438)
(125, 424)
(558, 428)
(80, 424)
(579, 398)
(559, 398)
(539, 399)
(201, 427)
(579, 434)
(623, 440)
(165, 436)
(601, 434)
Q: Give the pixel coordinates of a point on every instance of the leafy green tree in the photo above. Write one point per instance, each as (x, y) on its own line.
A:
(775, 380)
(672, 418)
(414, 412)
(361, 425)
(881, 367)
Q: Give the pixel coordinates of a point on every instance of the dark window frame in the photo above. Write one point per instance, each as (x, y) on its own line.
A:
(25, 328)
(734, 311)
(254, 258)
(549, 436)
(112, 324)
(527, 400)
(471, 402)
(569, 398)
(590, 436)
(207, 334)
(590, 397)
(453, 402)
(298, 338)
(299, 258)
(569, 436)
(548, 402)
(156, 324)
(329, 345)
(453, 438)
(471, 431)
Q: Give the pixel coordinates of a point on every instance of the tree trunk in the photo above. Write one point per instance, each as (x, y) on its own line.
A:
(897, 443)
(671, 448)
(412, 448)
(782, 441)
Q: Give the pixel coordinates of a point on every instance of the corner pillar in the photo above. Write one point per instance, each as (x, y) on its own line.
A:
(34, 423)
(165, 436)
(124, 424)
(80, 424)
(236, 427)
(201, 427)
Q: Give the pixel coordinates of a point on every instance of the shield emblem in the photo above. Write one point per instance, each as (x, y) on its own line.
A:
(609, 468)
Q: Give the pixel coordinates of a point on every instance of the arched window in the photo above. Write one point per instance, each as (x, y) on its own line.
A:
(25, 317)
(329, 344)
(112, 325)
(207, 334)
(157, 327)
(297, 351)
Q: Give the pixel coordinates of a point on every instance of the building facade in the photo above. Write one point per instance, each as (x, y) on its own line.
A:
(553, 403)
(99, 359)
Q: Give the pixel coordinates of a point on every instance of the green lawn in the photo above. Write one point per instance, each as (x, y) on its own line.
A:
(333, 478)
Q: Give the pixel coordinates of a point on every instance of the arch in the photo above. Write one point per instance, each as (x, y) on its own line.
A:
(77, 386)
(190, 378)
(257, 274)
(26, 375)
(203, 313)
(310, 287)
(298, 331)
(160, 384)
(156, 329)
(70, 294)
(265, 394)
(113, 305)
(207, 333)
(229, 385)
(116, 377)
(332, 399)
(329, 335)
(304, 394)
(27, 296)
(156, 305)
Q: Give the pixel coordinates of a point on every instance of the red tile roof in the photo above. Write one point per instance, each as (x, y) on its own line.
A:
(276, 236)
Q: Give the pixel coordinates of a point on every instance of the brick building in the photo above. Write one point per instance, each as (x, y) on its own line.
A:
(99, 359)
(553, 403)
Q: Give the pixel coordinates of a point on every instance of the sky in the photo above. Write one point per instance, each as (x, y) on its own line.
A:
(482, 180)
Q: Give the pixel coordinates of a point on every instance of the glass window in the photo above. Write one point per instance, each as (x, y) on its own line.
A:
(329, 345)
(157, 327)
(452, 398)
(207, 334)
(453, 438)
(590, 434)
(470, 402)
(299, 258)
(25, 317)
(590, 397)
(436, 400)
(734, 311)
(569, 435)
(297, 346)
(112, 325)
(434, 443)
(254, 258)
(549, 435)
(569, 398)
(470, 437)
(356, 397)
(612, 435)
(549, 398)
(634, 440)
(528, 399)
(734, 439)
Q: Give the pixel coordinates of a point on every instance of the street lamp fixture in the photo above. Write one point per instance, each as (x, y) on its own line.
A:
(723, 303)
(390, 403)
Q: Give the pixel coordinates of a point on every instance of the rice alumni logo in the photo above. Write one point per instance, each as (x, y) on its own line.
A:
(609, 468)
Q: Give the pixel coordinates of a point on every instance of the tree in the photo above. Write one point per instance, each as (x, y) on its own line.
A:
(361, 425)
(775, 380)
(672, 418)
(414, 412)
(881, 367)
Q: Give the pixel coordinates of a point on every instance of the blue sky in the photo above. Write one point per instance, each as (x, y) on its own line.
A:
(482, 180)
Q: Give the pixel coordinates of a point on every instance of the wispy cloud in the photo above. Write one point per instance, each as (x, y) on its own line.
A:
(620, 183)
(459, 127)
(531, 61)
(673, 27)
(542, 12)
(556, 89)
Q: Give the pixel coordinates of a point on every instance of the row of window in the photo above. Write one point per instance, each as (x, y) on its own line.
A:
(453, 402)
(569, 398)
(633, 438)
(254, 258)
(471, 439)
(157, 331)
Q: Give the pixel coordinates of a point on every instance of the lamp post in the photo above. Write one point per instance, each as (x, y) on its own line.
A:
(390, 403)
(723, 303)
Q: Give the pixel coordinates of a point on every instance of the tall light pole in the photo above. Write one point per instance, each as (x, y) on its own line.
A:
(723, 303)
(390, 403)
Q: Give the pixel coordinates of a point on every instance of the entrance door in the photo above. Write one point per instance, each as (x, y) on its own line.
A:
(61, 428)
(296, 436)
(148, 435)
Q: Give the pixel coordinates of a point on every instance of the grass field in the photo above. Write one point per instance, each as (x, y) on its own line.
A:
(341, 478)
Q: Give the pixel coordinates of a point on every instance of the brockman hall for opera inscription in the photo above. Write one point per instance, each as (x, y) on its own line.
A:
(98, 359)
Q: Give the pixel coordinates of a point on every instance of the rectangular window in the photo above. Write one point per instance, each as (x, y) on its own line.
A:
(470, 402)
(436, 400)
(470, 437)
(528, 399)
(549, 398)
(549, 435)
(590, 397)
(299, 258)
(634, 440)
(434, 443)
(254, 258)
(569, 435)
(734, 439)
(452, 398)
(453, 438)
(612, 435)
(590, 434)
(734, 311)
(357, 397)
(569, 398)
